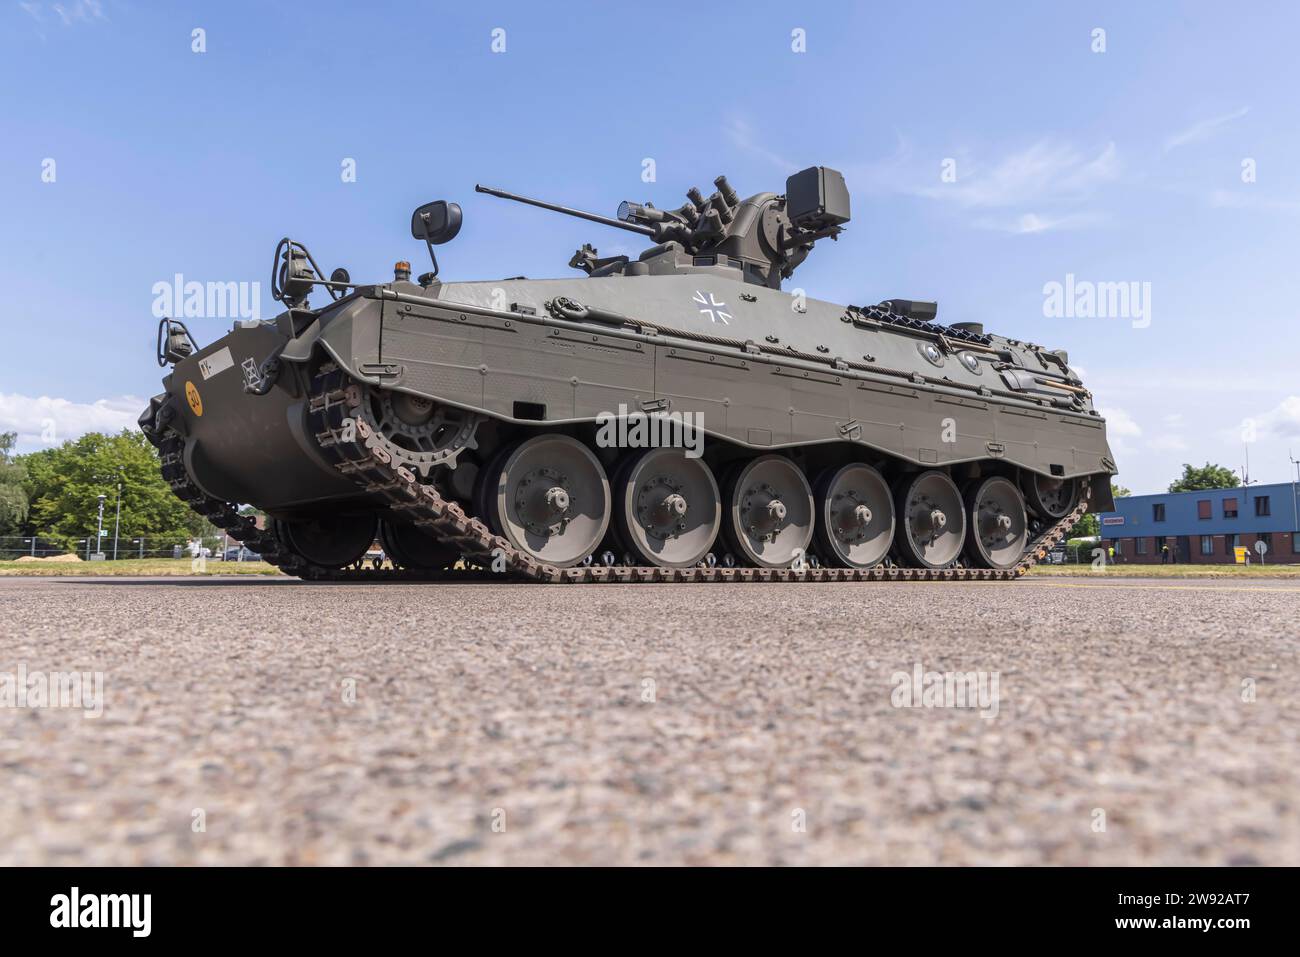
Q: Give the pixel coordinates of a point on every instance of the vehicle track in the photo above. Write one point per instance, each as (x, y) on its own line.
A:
(348, 443)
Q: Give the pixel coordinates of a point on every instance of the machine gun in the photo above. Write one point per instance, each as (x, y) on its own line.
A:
(767, 236)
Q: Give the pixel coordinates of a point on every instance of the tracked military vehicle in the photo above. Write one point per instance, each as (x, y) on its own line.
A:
(499, 427)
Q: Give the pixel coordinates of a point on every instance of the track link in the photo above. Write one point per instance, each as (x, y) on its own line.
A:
(350, 445)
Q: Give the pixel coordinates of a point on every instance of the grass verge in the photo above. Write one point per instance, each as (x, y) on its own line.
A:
(132, 567)
(1253, 570)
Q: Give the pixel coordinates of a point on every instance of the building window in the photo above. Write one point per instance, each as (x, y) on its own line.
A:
(1158, 512)
(1203, 509)
(1295, 543)
(1229, 508)
(1207, 544)
(1261, 505)
(1139, 546)
(1267, 539)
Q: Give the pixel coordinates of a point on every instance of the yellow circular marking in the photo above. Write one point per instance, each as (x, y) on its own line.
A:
(192, 394)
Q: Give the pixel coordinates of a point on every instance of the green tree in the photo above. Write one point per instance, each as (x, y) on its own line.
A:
(1090, 525)
(63, 485)
(1208, 476)
(13, 497)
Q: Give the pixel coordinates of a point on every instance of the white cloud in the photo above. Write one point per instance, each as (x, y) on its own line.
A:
(78, 11)
(1119, 424)
(1051, 176)
(1029, 223)
(1180, 385)
(1168, 438)
(897, 172)
(1044, 172)
(1204, 129)
(1282, 421)
(1167, 442)
(742, 136)
(45, 421)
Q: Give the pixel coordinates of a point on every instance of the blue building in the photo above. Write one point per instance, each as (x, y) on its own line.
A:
(1206, 527)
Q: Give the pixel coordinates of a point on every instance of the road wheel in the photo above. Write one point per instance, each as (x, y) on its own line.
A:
(855, 516)
(412, 547)
(769, 515)
(931, 523)
(668, 509)
(552, 500)
(333, 542)
(997, 527)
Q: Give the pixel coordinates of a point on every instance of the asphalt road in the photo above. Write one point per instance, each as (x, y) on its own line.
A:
(703, 724)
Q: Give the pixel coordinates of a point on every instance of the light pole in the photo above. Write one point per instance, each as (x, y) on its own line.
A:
(117, 524)
(1295, 505)
(99, 534)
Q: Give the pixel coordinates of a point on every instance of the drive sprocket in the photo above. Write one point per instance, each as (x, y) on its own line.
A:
(417, 432)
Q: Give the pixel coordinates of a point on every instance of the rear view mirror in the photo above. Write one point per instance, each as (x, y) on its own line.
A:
(436, 223)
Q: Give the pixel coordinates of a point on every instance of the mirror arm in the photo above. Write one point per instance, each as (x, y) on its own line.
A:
(428, 242)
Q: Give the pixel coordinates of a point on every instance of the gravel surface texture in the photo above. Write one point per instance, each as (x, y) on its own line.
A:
(274, 722)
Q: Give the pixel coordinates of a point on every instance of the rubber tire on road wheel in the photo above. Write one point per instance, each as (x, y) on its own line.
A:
(334, 542)
(411, 547)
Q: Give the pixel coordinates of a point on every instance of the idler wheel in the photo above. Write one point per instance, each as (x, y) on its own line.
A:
(1050, 498)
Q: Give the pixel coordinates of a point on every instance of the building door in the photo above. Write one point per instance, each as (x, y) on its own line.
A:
(1184, 549)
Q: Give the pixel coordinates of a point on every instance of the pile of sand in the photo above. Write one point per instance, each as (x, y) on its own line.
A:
(49, 558)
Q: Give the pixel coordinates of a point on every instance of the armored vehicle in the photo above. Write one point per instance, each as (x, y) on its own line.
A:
(673, 416)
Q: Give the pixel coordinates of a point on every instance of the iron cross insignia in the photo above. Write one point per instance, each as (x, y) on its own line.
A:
(712, 307)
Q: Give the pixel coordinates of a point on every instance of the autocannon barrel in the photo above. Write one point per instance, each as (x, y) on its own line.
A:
(568, 211)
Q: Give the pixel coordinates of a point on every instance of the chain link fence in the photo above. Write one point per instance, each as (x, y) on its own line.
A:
(18, 547)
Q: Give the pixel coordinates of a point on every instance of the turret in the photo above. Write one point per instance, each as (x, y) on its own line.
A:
(760, 240)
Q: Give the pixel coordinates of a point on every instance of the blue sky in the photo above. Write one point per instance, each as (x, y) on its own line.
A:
(1117, 166)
